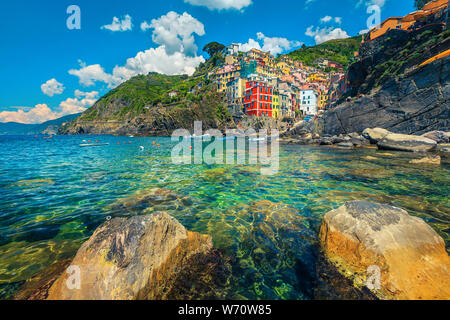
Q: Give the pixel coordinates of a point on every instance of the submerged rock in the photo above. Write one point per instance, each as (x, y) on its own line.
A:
(153, 199)
(136, 258)
(434, 160)
(403, 142)
(413, 263)
(374, 135)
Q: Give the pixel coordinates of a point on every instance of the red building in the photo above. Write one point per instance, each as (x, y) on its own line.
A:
(258, 99)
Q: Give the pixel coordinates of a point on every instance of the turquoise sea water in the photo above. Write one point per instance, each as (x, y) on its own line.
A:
(54, 194)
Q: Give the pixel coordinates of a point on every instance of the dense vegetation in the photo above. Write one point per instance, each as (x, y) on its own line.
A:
(159, 103)
(340, 51)
(138, 94)
(213, 47)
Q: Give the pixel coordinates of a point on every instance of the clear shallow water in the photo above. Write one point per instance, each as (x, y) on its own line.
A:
(55, 193)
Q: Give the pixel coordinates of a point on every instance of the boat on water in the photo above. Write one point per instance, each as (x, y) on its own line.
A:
(257, 139)
(93, 144)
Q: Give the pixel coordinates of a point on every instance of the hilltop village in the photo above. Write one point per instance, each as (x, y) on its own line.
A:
(256, 83)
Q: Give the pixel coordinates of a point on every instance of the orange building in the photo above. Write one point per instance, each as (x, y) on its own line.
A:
(431, 12)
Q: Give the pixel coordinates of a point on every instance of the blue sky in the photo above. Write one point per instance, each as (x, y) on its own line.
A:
(49, 71)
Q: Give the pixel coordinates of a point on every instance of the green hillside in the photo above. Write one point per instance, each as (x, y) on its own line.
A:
(340, 51)
(131, 98)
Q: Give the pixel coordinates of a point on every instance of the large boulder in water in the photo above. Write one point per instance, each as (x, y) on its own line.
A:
(404, 142)
(375, 134)
(410, 255)
(135, 258)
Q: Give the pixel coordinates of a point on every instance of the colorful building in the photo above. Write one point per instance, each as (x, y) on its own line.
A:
(285, 103)
(258, 99)
(227, 74)
(308, 102)
(276, 105)
(235, 92)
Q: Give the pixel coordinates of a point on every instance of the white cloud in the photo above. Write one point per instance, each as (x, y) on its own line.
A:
(321, 35)
(176, 32)
(40, 113)
(80, 103)
(275, 45)
(119, 25)
(152, 60)
(156, 60)
(177, 53)
(89, 74)
(368, 3)
(221, 4)
(52, 87)
(327, 19)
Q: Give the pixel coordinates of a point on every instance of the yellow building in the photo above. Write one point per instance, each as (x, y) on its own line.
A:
(284, 67)
(322, 101)
(231, 59)
(276, 106)
(227, 75)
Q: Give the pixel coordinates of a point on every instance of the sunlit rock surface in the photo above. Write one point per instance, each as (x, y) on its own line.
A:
(404, 142)
(410, 255)
(135, 258)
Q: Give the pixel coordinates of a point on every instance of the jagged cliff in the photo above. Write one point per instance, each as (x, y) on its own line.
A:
(391, 90)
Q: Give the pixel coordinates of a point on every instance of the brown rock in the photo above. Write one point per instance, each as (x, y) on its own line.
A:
(410, 255)
(134, 258)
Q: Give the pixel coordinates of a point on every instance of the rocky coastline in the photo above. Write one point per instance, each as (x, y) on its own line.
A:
(432, 145)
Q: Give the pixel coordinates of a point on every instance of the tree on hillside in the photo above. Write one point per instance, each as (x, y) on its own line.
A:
(213, 48)
(420, 3)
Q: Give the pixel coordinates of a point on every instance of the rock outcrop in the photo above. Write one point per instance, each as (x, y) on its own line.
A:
(404, 142)
(411, 257)
(135, 258)
(391, 90)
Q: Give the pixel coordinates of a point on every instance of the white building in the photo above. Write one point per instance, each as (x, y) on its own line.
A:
(308, 102)
(232, 49)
